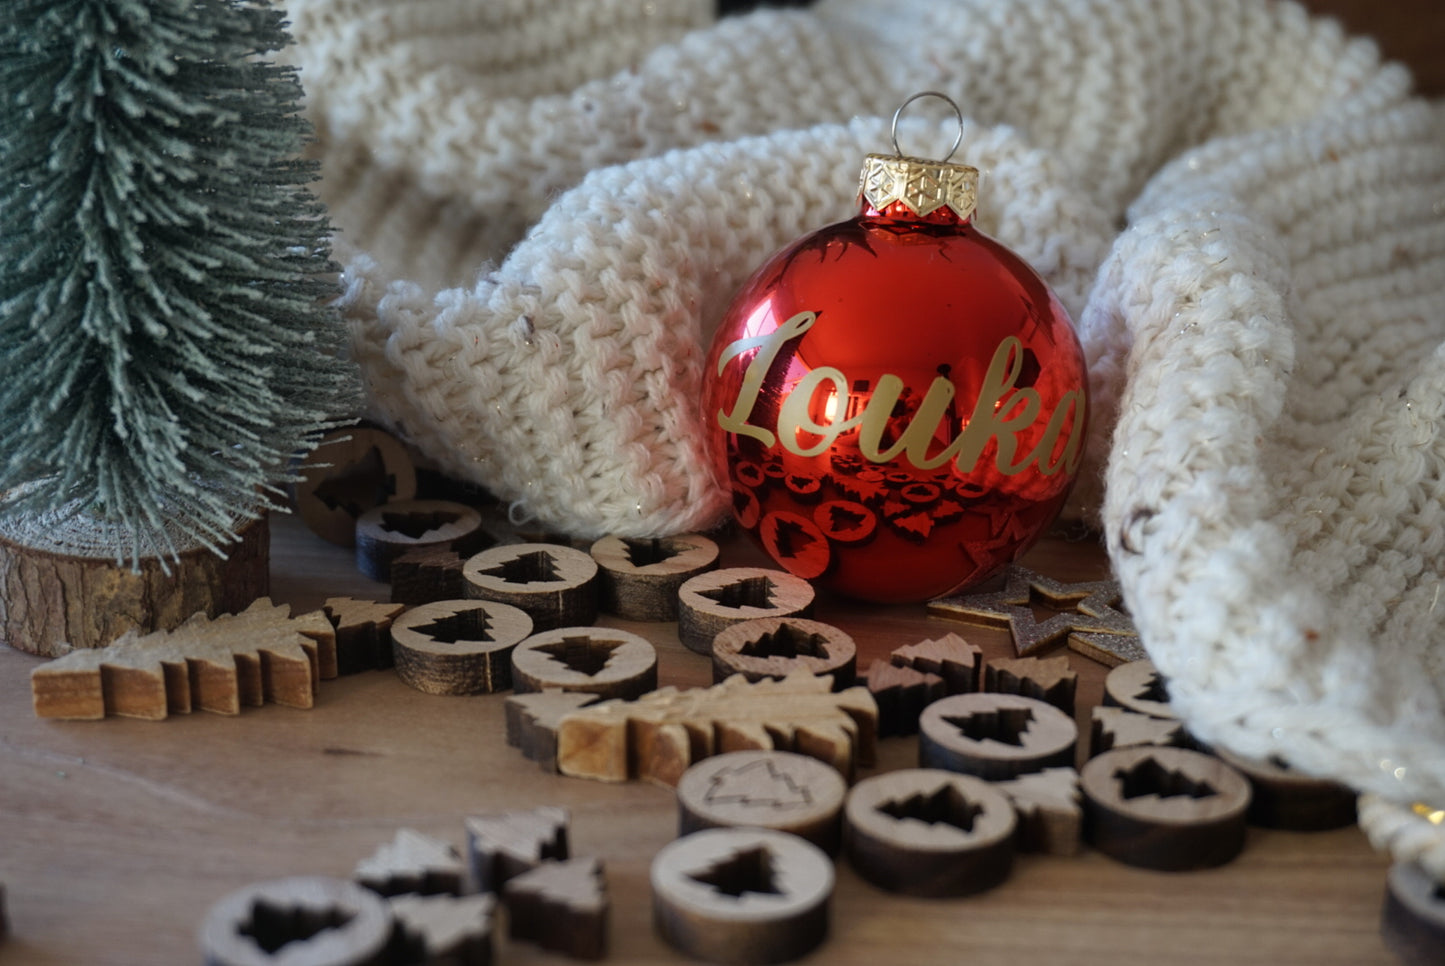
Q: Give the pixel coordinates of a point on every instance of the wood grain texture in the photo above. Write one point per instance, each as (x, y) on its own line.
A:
(607, 662)
(413, 862)
(555, 585)
(318, 921)
(442, 930)
(658, 736)
(779, 790)
(926, 832)
(350, 472)
(639, 579)
(385, 532)
(105, 825)
(709, 603)
(561, 906)
(51, 602)
(1169, 809)
(774, 647)
(458, 646)
(257, 656)
(995, 736)
(742, 895)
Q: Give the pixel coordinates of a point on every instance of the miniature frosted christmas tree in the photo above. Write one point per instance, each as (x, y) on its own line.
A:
(164, 272)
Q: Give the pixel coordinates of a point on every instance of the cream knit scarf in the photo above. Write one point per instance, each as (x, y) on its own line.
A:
(1243, 209)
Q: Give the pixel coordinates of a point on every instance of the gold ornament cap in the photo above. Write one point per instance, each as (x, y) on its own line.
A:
(923, 186)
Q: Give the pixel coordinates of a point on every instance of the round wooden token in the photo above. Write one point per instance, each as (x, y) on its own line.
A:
(595, 660)
(639, 579)
(926, 832)
(710, 602)
(779, 790)
(774, 647)
(350, 472)
(304, 921)
(742, 895)
(1284, 798)
(1164, 808)
(1139, 687)
(1413, 920)
(995, 736)
(554, 584)
(384, 533)
(458, 646)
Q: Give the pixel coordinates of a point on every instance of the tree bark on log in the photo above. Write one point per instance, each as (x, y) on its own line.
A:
(51, 602)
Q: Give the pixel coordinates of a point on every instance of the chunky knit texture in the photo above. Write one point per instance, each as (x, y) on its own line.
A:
(1242, 207)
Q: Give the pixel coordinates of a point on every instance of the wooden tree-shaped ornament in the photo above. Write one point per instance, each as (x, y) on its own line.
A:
(164, 333)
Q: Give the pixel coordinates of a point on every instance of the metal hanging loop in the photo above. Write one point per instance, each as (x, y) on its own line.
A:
(957, 113)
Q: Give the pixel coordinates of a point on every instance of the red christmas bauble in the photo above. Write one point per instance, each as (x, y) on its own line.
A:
(897, 401)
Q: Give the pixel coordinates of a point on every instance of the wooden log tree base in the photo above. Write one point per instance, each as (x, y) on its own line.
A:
(61, 587)
(533, 719)
(1050, 811)
(950, 657)
(742, 896)
(257, 656)
(925, 832)
(711, 602)
(442, 930)
(779, 790)
(458, 646)
(901, 694)
(1047, 679)
(562, 906)
(363, 634)
(350, 472)
(555, 585)
(427, 574)
(303, 921)
(995, 736)
(1138, 686)
(384, 533)
(639, 579)
(658, 736)
(1121, 728)
(1169, 809)
(1283, 798)
(774, 647)
(503, 846)
(413, 863)
(1413, 919)
(604, 661)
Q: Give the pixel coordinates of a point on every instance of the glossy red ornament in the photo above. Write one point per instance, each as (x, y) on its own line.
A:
(897, 401)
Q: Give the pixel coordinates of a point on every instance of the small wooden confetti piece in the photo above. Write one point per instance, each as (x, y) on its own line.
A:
(995, 736)
(427, 574)
(950, 657)
(639, 579)
(901, 694)
(712, 602)
(386, 532)
(350, 472)
(742, 895)
(555, 585)
(442, 930)
(505, 845)
(1045, 679)
(1138, 686)
(316, 920)
(774, 647)
(604, 661)
(363, 633)
(458, 646)
(1288, 799)
(779, 790)
(532, 721)
(925, 832)
(413, 862)
(562, 906)
(1051, 816)
(1121, 728)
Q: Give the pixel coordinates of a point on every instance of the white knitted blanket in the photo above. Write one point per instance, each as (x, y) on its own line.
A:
(1243, 209)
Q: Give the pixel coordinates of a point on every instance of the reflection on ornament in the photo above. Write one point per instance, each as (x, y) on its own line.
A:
(897, 401)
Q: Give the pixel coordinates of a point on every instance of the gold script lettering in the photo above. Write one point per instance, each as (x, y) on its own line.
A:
(1001, 412)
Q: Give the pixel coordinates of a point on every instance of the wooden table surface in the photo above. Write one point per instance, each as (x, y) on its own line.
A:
(117, 836)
